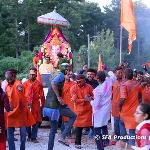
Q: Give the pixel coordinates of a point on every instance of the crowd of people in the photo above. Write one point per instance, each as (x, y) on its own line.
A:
(86, 101)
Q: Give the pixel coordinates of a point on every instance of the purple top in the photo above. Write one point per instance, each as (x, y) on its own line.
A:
(4, 103)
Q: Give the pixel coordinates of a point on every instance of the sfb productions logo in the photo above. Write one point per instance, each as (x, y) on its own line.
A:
(97, 137)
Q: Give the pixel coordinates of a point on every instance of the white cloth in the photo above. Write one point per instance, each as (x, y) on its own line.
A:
(24, 80)
(3, 85)
(101, 104)
(146, 147)
(141, 124)
(112, 124)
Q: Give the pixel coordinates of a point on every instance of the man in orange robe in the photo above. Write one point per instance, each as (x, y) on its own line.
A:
(128, 103)
(35, 96)
(80, 95)
(119, 128)
(35, 59)
(20, 116)
(66, 93)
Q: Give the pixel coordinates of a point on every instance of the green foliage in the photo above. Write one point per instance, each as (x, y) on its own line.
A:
(80, 58)
(91, 18)
(26, 61)
(8, 62)
(21, 64)
(103, 44)
(19, 30)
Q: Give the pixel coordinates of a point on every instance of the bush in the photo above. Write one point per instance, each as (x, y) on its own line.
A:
(21, 64)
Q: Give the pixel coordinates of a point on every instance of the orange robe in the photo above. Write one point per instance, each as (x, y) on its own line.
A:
(35, 96)
(129, 90)
(35, 61)
(82, 108)
(145, 91)
(116, 98)
(20, 116)
(67, 97)
(39, 77)
(66, 94)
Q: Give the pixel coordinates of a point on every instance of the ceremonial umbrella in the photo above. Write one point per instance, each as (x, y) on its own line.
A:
(53, 18)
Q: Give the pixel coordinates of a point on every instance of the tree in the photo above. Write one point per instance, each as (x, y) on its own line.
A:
(19, 29)
(103, 44)
(21, 64)
(80, 58)
(143, 22)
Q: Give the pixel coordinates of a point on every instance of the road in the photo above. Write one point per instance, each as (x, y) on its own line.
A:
(87, 144)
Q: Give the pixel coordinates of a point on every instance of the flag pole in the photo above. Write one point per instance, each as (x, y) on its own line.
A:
(88, 36)
(120, 44)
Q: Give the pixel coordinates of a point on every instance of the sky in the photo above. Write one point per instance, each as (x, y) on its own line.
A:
(106, 2)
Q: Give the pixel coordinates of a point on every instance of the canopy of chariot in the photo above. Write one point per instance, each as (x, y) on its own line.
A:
(55, 45)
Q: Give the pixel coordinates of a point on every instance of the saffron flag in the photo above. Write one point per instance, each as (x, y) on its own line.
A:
(148, 64)
(100, 64)
(128, 21)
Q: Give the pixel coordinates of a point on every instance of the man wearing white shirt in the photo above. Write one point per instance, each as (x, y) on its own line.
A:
(101, 106)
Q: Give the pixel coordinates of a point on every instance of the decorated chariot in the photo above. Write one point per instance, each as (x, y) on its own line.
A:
(55, 44)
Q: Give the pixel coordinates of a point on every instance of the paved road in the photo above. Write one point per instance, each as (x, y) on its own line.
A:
(88, 144)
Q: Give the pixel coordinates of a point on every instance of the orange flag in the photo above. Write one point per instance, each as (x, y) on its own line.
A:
(128, 21)
(148, 63)
(100, 64)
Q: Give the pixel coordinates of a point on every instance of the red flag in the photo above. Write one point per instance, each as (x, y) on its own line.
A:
(128, 21)
(100, 64)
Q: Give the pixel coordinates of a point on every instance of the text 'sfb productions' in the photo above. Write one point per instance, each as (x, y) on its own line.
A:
(126, 137)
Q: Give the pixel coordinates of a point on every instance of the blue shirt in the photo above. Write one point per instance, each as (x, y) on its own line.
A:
(59, 78)
(52, 114)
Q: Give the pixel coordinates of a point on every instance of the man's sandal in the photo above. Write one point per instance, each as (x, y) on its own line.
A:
(78, 146)
(63, 142)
